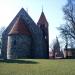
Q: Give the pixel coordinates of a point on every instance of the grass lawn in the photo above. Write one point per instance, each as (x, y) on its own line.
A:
(37, 67)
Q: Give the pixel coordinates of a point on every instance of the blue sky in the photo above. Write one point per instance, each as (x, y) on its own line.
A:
(52, 9)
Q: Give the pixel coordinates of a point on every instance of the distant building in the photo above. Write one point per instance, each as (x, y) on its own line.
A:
(56, 52)
(69, 53)
(24, 39)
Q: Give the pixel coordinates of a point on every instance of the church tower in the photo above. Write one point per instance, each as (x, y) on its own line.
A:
(43, 24)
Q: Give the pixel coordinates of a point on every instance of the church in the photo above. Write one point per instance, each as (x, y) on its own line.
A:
(23, 38)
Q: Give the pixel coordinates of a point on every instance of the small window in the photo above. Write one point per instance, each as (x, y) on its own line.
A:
(45, 37)
(14, 42)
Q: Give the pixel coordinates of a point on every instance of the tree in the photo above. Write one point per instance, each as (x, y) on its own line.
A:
(64, 35)
(68, 29)
(1, 31)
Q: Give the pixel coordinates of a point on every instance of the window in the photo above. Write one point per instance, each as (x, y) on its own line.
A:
(14, 42)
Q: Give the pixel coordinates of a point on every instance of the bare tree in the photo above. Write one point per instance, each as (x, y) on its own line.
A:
(1, 31)
(69, 12)
(68, 29)
(64, 34)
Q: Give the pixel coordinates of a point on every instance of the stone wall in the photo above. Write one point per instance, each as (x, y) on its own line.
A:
(19, 46)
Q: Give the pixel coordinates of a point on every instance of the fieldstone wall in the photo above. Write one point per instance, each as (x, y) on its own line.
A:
(19, 46)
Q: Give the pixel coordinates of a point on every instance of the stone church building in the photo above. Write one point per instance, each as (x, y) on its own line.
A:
(23, 38)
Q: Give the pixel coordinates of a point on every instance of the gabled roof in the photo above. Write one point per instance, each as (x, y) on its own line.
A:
(7, 30)
(30, 23)
(20, 27)
(42, 20)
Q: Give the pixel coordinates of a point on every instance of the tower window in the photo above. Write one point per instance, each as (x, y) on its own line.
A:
(45, 37)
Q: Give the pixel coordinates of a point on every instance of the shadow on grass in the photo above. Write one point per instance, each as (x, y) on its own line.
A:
(19, 61)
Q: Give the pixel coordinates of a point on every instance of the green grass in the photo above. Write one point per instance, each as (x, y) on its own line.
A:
(37, 67)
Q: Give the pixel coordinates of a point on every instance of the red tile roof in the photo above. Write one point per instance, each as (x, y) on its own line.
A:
(19, 27)
(42, 20)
